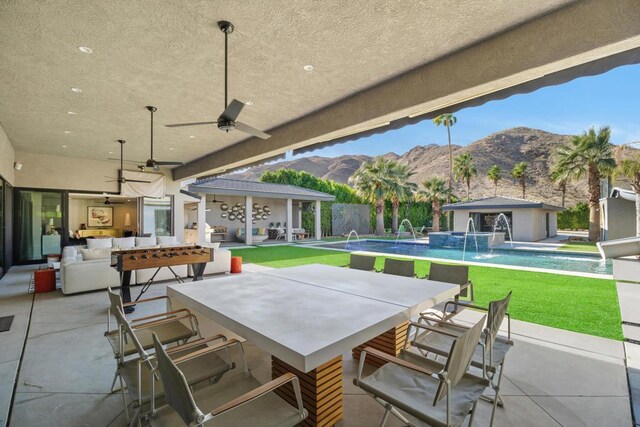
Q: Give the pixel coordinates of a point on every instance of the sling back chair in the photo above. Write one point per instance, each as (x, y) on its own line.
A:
(425, 390)
(362, 262)
(399, 267)
(240, 401)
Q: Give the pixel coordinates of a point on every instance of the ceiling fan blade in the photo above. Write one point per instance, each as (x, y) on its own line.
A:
(169, 163)
(116, 203)
(136, 180)
(233, 110)
(252, 131)
(177, 125)
(112, 180)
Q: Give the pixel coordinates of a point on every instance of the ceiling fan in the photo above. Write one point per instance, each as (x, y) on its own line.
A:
(214, 200)
(151, 162)
(107, 202)
(122, 179)
(227, 120)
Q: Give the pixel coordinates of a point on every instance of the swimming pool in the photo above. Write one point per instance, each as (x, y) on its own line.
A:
(582, 263)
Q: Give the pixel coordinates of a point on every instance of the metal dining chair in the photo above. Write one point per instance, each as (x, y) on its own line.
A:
(362, 262)
(399, 267)
(134, 373)
(425, 390)
(241, 401)
(434, 336)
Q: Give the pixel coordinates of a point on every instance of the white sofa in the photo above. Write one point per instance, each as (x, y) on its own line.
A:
(78, 274)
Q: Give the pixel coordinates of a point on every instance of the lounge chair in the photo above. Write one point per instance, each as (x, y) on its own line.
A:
(135, 372)
(433, 393)
(243, 402)
(432, 335)
(362, 262)
(399, 267)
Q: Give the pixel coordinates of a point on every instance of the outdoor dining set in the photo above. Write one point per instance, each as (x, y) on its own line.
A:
(435, 368)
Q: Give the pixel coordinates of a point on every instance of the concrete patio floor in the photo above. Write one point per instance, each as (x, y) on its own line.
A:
(552, 377)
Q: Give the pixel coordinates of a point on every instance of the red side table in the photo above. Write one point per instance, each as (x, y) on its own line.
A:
(236, 264)
(44, 280)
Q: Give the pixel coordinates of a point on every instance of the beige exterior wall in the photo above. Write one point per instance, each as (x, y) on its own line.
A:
(529, 225)
(7, 158)
(618, 218)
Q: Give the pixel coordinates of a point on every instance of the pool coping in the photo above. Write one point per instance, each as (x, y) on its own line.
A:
(478, 264)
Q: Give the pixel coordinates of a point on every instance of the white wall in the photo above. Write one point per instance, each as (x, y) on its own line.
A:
(78, 213)
(7, 157)
(278, 213)
(529, 225)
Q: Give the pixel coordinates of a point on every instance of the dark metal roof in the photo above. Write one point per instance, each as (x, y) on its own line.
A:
(500, 203)
(238, 187)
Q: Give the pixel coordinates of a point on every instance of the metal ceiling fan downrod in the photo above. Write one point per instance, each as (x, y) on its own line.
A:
(223, 123)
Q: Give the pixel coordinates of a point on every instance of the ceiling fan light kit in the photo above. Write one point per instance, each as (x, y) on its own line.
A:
(227, 121)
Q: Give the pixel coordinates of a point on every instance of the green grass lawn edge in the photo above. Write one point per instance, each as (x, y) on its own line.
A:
(580, 304)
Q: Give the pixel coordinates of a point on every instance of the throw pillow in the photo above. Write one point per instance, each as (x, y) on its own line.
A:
(145, 241)
(124, 243)
(99, 243)
(96, 253)
(262, 231)
(167, 240)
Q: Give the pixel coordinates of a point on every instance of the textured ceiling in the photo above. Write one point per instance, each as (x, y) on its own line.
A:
(170, 54)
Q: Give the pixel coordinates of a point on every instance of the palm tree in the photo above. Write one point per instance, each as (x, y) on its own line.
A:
(494, 176)
(631, 169)
(435, 190)
(561, 178)
(373, 181)
(464, 169)
(590, 154)
(448, 120)
(401, 190)
(519, 172)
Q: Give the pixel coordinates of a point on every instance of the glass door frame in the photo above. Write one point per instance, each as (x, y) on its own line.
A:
(141, 214)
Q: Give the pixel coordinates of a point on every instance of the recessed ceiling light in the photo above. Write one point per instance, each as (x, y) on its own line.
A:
(67, 131)
(110, 152)
(170, 149)
(248, 103)
(76, 89)
(64, 146)
(85, 49)
(191, 136)
(308, 67)
(71, 113)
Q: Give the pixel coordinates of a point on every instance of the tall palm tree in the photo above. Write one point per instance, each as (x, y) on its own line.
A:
(435, 190)
(519, 172)
(448, 120)
(590, 154)
(373, 182)
(631, 169)
(494, 176)
(401, 190)
(464, 169)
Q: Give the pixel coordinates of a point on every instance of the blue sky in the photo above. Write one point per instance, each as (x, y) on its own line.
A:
(608, 99)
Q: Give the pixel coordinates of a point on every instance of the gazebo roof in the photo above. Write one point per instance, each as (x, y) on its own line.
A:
(238, 187)
(500, 202)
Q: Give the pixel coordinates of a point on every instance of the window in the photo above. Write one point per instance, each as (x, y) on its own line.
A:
(39, 225)
(157, 216)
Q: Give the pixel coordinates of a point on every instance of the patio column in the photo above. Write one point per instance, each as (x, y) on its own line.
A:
(299, 225)
(289, 220)
(318, 218)
(248, 225)
(202, 219)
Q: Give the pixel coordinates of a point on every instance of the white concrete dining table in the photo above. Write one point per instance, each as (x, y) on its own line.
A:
(306, 317)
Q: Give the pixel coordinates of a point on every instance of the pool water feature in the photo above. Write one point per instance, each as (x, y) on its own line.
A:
(552, 260)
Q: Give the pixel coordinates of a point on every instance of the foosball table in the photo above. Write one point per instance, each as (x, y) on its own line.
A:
(128, 260)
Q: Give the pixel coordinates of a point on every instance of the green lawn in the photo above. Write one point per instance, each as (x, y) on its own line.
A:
(573, 303)
(579, 247)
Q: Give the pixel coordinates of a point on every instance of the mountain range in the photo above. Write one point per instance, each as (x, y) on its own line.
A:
(504, 148)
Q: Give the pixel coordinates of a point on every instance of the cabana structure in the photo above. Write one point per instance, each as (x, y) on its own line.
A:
(249, 210)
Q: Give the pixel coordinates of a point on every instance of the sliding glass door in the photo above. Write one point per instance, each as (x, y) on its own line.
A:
(38, 223)
(2, 214)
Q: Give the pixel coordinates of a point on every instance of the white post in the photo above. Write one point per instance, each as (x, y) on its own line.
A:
(299, 225)
(248, 225)
(289, 220)
(202, 219)
(318, 219)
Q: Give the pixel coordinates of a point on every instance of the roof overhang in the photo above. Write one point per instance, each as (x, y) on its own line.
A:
(463, 207)
(585, 38)
(203, 189)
